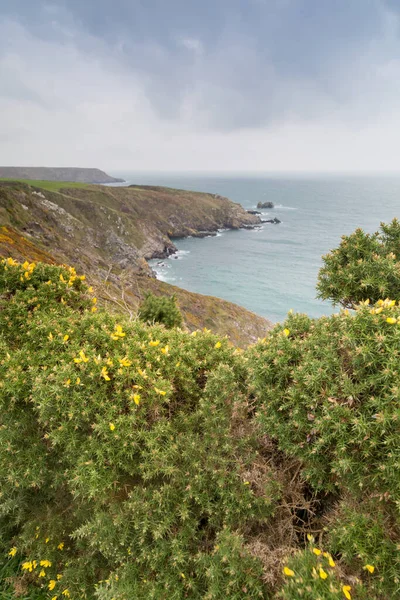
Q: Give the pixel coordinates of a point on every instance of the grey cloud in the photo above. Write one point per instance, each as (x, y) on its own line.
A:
(155, 74)
(261, 62)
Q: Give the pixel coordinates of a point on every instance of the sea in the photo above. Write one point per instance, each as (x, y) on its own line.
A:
(273, 269)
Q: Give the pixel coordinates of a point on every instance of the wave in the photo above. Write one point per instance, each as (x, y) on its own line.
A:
(283, 207)
(163, 277)
(178, 254)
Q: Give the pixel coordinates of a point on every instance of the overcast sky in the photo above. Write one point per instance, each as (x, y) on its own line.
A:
(208, 85)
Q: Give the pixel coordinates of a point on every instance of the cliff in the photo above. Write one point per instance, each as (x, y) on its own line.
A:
(108, 232)
(73, 174)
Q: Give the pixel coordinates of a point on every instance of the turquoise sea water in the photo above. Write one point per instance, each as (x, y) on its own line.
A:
(273, 269)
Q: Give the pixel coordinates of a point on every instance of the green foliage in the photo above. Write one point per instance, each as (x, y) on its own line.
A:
(329, 394)
(144, 462)
(365, 533)
(160, 309)
(312, 573)
(364, 266)
(123, 457)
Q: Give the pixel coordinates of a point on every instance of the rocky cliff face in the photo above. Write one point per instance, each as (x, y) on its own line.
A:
(117, 226)
(58, 174)
(108, 233)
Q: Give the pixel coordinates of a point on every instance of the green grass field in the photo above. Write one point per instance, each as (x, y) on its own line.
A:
(52, 186)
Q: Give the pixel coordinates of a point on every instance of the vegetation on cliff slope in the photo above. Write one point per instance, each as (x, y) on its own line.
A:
(107, 232)
(143, 462)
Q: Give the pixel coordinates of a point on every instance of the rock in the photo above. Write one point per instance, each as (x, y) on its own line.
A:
(265, 205)
(253, 212)
(203, 234)
(274, 221)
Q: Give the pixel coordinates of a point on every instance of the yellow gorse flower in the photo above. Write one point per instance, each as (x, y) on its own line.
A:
(52, 584)
(124, 362)
(288, 572)
(112, 426)
(346, 591)
(370, 568)
(117, 333)
(316, 551)
(330, 559)
(323, 574)
(11, 262)
(136, 398)
(154, 343)
(45, 563)
(104, 374)
(286, 332)
(13, 551)
(218, 345)
(391, 320)
(82, 358)
(161, 392)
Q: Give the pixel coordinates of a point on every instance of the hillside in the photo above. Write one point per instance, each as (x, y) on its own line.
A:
(108, 233)
(74, 174)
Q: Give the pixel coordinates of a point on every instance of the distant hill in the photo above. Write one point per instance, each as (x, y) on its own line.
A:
(73, 174)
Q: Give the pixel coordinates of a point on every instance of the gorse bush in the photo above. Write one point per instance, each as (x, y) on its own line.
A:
(122, 464)
(328, 393)
(160, 309)
(364, 266)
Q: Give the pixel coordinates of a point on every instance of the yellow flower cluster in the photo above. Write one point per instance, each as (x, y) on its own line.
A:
(320, 572)
(28, 270)
(82, 358)
(117, 333)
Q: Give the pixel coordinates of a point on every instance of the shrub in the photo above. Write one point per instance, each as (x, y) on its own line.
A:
(160, 309)
(143, 462)
(328, 392)
(363, 267)
(123, 470)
